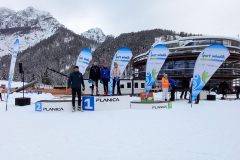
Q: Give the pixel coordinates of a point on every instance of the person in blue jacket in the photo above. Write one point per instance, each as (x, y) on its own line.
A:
(105, 77)
(173, 86)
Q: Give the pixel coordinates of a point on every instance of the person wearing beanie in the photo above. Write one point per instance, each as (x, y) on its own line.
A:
(95, 75)
(75, 81)
(116, 74)
(165, 86)
(105, 77)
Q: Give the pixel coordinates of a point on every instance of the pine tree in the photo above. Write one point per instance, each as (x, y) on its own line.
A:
(46, 79)
(4, 75)
(32, 78)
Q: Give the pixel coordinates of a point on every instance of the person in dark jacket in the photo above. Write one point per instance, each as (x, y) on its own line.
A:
(237, 88)
(223, 87)
(185, 85)
(75, 81)
(105, 77)
(95, 76)
(173, 86)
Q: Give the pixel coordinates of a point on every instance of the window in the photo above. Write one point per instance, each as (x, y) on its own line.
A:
(142, 85)
(129, 85)
(219, 41)
(225, 42)
(207, 41)
(136, 85)
(201, 42)
(121, 85)
(190, 44)
(213, 41)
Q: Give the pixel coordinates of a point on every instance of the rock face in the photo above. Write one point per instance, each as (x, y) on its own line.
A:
(95, 34)
(30, 26)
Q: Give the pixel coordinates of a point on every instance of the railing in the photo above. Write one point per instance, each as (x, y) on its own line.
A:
(180, 71)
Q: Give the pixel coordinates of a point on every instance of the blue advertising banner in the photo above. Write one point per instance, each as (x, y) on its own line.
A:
(83, 60)
(155, 61)
(12, 67)
(122, 57)
(208, 61)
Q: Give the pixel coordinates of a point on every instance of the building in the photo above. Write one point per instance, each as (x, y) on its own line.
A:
(182, 57)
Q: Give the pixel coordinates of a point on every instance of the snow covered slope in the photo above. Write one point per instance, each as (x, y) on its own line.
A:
(207, 131)
(95, 34)
(30, 26)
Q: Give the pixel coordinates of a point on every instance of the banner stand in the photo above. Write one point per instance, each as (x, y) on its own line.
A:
(155, 61)
(208, 61)
(12, 67)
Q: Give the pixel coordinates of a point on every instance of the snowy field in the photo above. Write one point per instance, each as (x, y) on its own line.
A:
(207, 131)
(13, 85)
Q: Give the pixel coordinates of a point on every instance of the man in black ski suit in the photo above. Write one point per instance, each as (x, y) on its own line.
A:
(75, 81)
(223, 87)
(185, 85)
(95, 75)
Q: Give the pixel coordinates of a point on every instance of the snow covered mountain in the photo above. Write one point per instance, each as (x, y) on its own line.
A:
(95, 34)
(30, 26)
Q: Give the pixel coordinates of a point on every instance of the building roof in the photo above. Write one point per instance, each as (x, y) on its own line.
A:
(207, 37)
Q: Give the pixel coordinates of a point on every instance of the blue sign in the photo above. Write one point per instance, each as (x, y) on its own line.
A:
(38, 92)
(38, 106)
(88, 103)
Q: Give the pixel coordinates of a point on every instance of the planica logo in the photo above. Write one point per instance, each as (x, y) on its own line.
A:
(107, 100)
(53, 109)
(159, 107)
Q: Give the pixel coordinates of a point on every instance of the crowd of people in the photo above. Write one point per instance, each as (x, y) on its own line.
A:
(103, 75)
(169, 84)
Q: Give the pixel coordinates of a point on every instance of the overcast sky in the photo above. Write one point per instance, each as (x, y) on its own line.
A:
(208, 17)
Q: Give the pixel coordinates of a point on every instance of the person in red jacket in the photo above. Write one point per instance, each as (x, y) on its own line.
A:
(116, 74)
(165, 86)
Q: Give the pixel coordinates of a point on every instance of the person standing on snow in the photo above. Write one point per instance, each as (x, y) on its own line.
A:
(75, 81)
(105, 77)
(173, 86)
(165, 86)
(223, 87)
(185, 85)
(1, 93)
(116, 74)
(95, 75)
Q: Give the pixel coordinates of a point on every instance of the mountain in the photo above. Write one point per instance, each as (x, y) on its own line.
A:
(45, 43)
(95, 34)
(30, 26)
(58, 52)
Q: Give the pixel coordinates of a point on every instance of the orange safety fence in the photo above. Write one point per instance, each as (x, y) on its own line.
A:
(52, 91)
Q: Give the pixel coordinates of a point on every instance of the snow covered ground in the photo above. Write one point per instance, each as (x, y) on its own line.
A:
(13, 85)
(207, 131)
